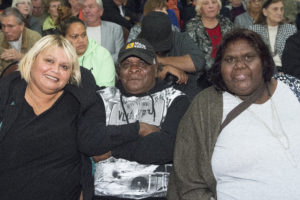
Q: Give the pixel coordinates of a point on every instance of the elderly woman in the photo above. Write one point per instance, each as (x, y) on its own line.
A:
(150, 5)
(238, 139)
(91, 55)
(50, 23)
(51, 121)
(275, 33)
(208, 28)
(25, 8)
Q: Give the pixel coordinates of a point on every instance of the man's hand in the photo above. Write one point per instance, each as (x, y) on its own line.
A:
(11, 54)
(102, 157)
(181, 75)
(146, 129)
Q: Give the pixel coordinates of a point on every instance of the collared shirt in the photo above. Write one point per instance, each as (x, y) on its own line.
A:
(17, 44)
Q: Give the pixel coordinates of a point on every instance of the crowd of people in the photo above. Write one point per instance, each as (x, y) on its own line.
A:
(149, 99)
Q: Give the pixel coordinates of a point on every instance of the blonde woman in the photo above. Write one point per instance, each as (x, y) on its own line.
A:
(51, 120)
(25, 8)
(208, 27)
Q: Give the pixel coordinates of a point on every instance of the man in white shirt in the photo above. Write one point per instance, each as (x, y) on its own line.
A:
(107, 34)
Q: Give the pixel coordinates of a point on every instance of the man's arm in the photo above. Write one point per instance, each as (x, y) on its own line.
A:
(184, 63)
(157, 147)
(119, 41)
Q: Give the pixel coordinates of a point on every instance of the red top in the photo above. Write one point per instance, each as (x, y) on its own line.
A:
(215, 36)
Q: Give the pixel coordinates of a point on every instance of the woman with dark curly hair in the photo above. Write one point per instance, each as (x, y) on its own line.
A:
(238, 138)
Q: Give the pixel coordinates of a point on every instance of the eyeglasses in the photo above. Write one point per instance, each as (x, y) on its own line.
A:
(245, 59)
(24, 3)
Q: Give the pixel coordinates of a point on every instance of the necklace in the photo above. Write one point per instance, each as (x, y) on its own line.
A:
(277, 129)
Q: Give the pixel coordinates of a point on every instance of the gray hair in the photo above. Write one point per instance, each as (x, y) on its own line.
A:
(99, 3)
(15, 2)
(13, 12)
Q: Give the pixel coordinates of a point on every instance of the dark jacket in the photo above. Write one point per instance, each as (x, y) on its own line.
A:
(91, 137)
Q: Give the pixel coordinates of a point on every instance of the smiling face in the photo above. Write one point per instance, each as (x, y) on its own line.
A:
(209, 8)
(50, 71)
(92, 13)
(274, 13)
(76, 34)
(137, 76)
(241, 68)
(24, 6)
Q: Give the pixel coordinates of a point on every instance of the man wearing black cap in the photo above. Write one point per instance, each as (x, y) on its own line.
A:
(139, 169)
(176, 52)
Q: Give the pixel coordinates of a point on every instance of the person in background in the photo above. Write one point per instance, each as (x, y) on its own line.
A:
(177, 54)
(76, 8)
(91, 55)
(50, 23)
(235, 7)
(238, 139)
(107, 34)
(208, 28)
(139, 169)
(38, 10)
(290, 56)
(271, 28)
(25, 8)
(117, 12)
(15, 38)
(51, 122)
(150, 5)
(248, 18)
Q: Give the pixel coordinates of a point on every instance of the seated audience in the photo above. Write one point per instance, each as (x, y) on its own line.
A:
(208, 28)
(38, 10)
(15, 38)
(117, 12)
(290, 56)
(236, 7)
(140, 168)
(271, 28)
(150, 5)
(90, 54)
(51, 121)
(177, 54)
(50, 23)
(107, 34)
(238, 139)
(25, 8)
(76, 8)
(248, 18)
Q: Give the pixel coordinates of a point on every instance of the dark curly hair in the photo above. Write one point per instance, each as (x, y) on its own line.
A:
(254, 40)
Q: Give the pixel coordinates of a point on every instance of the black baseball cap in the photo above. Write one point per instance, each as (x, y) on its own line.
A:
(139, 48)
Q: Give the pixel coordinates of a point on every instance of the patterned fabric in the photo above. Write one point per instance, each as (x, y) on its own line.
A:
(128, 179)
(197, 32)
(291, 81)
(284, 32)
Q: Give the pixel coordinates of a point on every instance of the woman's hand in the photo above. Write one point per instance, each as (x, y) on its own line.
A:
(181, 75)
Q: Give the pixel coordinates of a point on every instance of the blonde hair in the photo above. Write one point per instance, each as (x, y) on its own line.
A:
(199, 5)
(15, 2)
(46, 42)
